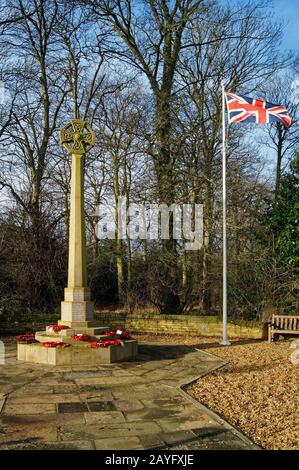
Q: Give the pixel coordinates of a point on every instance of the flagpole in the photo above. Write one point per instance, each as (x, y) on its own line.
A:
(224, 341)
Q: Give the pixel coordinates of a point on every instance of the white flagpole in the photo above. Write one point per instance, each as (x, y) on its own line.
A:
(224, 341)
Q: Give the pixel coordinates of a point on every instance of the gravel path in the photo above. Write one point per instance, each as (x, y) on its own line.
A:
(257, 392)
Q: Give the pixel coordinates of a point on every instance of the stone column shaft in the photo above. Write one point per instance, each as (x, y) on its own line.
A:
(77, 309)
(77, 273)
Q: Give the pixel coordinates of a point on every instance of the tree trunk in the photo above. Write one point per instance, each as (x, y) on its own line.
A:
(166, 194)
(207, 241)
(118, 241)
(278, 163)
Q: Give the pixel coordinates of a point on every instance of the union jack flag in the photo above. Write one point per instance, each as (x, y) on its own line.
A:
(249, 110)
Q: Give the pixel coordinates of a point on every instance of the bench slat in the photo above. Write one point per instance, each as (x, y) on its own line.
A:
(293, 332)
(285, 316)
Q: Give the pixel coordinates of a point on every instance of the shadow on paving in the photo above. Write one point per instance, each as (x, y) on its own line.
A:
(159, 352)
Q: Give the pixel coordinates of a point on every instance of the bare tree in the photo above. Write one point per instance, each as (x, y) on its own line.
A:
(152, 33)
(233, 47)
(119, 134)
(39, 92)
(281, 139)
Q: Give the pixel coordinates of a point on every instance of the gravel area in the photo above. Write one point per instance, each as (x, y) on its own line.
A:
(257, 391)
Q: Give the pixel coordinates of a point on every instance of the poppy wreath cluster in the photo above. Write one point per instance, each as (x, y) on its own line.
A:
(105, 343)
(26, 338)
(118, 332)
(55, 344)
(109, 333)
(57, 328)
(81, 337)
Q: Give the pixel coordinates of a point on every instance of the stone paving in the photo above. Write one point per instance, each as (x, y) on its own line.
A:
(132, 405)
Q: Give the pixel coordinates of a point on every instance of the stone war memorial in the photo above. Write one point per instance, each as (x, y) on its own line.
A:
(149, 237)
(77, 339)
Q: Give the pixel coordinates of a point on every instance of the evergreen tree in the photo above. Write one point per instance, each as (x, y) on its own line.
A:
(282, 218)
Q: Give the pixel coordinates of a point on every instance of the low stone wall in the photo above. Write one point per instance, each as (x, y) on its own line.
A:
(172, 324)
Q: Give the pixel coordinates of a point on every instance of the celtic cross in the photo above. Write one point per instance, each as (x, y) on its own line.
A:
(77, 137)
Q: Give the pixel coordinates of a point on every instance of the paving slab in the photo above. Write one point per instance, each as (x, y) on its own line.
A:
(96, 396)
(102, 405)
(175, 437)
(72, 407)
(104, 417)
(123, 443)
(25, 408)
(51, 419)
(31, 444)
(128, 405)
(107, 430)
(31, 389)
(124, 406)
(153, 413)
(45, 398)
(15, 433)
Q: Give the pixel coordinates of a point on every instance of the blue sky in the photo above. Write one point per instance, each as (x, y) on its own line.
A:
(288, 10)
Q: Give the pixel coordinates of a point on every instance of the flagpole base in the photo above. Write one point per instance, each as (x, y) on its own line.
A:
(225, 343)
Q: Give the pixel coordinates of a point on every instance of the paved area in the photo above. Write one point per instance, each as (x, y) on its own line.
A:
(132, 405)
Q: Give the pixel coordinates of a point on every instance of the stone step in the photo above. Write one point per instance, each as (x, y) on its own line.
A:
(38, 354)
(93, 331)
(64, 335)
(42, 337)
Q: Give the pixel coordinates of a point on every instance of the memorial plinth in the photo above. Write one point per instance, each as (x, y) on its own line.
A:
(77, 309)
(77, 354)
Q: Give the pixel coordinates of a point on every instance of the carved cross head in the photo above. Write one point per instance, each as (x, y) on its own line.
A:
(77, 137)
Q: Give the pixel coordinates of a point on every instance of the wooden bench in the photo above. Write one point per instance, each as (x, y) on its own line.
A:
(283, 325)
